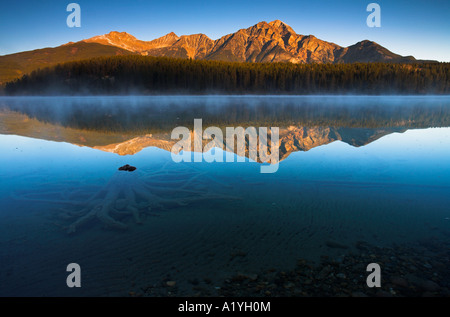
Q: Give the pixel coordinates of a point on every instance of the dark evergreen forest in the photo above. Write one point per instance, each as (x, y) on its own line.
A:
(161, 75)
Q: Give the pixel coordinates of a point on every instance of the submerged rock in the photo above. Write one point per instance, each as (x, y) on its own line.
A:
(171, 283)
(429, 286)
(358, 294)
(127, 168)
(400, 282)
(335, 244)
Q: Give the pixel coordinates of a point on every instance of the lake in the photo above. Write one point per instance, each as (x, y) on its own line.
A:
(360, 180)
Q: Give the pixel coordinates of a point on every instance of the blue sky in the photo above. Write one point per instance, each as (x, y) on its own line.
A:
(418, 28)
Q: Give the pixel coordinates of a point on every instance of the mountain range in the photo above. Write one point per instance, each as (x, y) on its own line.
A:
(263, 42)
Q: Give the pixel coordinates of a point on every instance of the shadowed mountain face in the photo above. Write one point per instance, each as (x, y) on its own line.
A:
(15, 65)
(262, 42)
(127, 125)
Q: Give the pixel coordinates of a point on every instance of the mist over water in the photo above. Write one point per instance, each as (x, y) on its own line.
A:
(370, 171)
(143, 113)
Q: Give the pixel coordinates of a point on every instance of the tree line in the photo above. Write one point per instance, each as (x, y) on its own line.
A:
(161, 75)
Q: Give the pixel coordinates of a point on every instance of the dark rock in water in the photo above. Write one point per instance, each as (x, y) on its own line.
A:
(362, 245)
(381, 293)
(400, 282)
(171, 283)
(425, 285)
(127, 168)
(430, 286)
(359, 294)
(324, 273)
(308, 282)
(341, 275)
(428, 266)
(336, 245)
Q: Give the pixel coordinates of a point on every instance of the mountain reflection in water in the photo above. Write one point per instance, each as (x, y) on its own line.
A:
(126, 125)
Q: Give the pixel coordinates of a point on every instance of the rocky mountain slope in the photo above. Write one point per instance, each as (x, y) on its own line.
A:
(263, 42)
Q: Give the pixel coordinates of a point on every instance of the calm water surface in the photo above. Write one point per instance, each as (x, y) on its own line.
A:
(371, 171)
